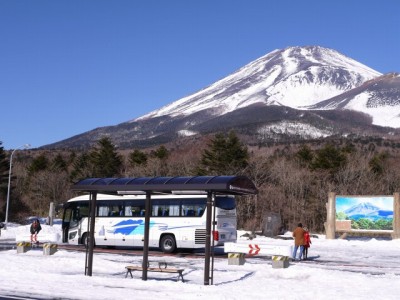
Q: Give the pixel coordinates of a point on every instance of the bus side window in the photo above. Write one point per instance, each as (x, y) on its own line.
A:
(160, 211)
(128, 211)
(103, 211)
(156, 211)
(135, 211)
(190, 213)
(113, 211)
(174, 210)
(199, 211)
(121, 211)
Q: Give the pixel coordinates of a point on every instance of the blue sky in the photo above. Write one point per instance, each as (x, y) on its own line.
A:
(67, 67)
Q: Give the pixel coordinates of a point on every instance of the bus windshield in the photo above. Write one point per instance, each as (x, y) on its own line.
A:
(227, 203)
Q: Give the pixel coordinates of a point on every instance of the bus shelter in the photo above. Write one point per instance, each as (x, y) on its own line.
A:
(209, 185)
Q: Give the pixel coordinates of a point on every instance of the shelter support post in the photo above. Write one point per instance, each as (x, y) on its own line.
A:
(214, 222)
(50, 219)
(146, 235)
(396, 216)
(330, 225)
(208, 240)
(90, 241)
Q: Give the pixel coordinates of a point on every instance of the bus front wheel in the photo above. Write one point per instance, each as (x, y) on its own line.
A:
(85, 240)
(168, 243)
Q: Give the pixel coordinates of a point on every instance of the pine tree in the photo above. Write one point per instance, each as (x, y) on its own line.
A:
(105, 159)
(81, 167)
(161, 153)
(40, 163)
(377, 163)
(329, 158)
(4, 168)
(305, 155)
(3, 164)
(225, 155)
(58, 164)
(137, 158)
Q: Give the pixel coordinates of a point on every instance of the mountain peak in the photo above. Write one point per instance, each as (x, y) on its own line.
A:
(362, 208)
(367, 210)
(288, 94)
(295, 77)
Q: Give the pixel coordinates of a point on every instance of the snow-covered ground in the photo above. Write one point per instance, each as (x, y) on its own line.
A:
(337, 269)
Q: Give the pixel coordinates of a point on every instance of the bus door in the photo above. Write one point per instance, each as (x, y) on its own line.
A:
(65, 223)
(73, 225)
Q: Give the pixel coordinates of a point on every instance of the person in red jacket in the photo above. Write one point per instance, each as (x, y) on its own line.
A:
(307, 243)
(298, 235)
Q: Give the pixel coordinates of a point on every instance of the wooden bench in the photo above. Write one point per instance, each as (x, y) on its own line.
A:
(129, 270)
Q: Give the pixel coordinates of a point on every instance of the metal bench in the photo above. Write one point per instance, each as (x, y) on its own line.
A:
(160, 269)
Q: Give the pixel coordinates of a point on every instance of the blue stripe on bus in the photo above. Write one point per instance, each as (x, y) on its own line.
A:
(131, 227)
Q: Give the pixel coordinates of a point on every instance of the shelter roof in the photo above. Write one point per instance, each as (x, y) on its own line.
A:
(235, 185)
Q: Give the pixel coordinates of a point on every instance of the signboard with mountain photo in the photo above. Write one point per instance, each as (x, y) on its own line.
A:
(366, 212)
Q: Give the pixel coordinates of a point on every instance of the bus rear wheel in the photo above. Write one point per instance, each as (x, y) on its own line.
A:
(168, 243)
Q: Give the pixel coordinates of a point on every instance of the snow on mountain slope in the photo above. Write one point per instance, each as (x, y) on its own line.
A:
(268, 132)
(295, 77)
(381, 115)
(378, 97)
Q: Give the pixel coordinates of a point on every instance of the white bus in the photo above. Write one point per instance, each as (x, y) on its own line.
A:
(176, 221)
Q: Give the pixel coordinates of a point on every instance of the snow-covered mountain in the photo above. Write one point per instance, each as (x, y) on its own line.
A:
(378, 97)
(293, 93)
(363, 208)
(295, 77)
(367, 210)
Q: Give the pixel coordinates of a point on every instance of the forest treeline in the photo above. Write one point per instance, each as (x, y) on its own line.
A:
(293, 179)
